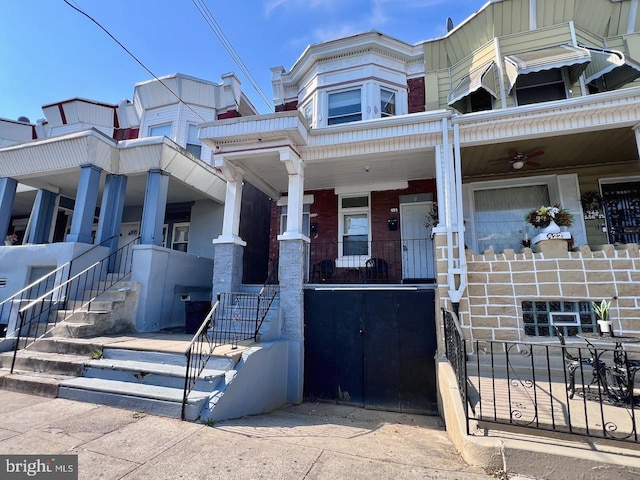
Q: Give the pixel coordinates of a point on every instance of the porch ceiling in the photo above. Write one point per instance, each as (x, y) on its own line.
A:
(560, 152)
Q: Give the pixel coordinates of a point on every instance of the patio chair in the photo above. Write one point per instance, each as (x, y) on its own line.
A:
(324, 270)
(376, 268)
(624, 373)
(573, 363)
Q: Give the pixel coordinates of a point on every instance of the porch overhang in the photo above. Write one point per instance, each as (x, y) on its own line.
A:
(574, 58)
(610, 69)
(483, 77)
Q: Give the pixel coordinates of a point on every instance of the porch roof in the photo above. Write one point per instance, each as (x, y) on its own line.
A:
(54, 164)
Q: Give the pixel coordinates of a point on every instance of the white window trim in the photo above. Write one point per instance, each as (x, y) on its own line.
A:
(173, 233)
(345, 261)
(394, 92)
(186, 141)
(551, 181)
(328, 93)
(158, 125)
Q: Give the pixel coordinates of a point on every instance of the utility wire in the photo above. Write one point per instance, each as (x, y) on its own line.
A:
(79, 10)
(215, 27)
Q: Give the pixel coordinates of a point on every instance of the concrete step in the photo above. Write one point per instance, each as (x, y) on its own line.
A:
(221, 362)
(65, 346)
(159, 400)
(43, 362)
(33, 383)
(139, 372)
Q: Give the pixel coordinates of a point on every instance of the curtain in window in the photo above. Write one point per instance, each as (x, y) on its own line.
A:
(499, 215)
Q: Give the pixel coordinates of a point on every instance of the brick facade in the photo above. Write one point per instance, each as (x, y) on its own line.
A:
(287, 107)
(499, 283)
(417, 97)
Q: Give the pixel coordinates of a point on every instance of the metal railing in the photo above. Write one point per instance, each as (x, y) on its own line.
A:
(40, 315)
(234, 317)
(378, 261)
(11, 305)
(576, 388)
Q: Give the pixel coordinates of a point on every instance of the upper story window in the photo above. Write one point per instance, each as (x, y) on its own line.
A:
(345, 106)
(160, 130)
(193, 146)
(387, 103)
(543, 86)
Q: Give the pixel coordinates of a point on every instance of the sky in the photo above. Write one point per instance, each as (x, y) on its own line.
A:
(49, 52)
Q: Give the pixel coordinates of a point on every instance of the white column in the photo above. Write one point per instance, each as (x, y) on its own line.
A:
(295, 202)
(636, 129)
(232, 204)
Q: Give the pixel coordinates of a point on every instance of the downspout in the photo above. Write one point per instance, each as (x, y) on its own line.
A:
(450, 181)
(462, 257)
(633, 13)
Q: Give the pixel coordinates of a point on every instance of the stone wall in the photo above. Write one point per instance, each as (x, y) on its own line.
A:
(499, 283)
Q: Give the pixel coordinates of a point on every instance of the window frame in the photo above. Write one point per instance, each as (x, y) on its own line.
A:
(359, 88)
(174, 226)
(191, 144)
(394, 96)
(158, 126)
(539, 86)
(353, 260)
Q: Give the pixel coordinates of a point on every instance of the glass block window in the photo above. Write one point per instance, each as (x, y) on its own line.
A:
(538, 321)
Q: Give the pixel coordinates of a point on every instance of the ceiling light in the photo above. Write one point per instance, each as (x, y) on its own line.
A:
(517, 164)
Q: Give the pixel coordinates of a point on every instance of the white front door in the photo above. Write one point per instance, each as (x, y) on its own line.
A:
(417, 246)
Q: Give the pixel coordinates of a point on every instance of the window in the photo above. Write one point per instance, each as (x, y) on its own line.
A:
(306, 217)
(387, 103)
(345, 107)
(194, 147)
(570, 317)
(353, 229)
(543, 86)
(160, 130)
(499, 215)
(180, 237)
(479, 101)
(307, 111)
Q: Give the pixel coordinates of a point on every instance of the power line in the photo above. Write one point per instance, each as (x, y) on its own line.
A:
(79, 10)
(215, 27)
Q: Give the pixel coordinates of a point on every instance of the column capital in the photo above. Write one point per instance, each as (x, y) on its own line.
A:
(91, 166)
(291, 160)
(230, 172)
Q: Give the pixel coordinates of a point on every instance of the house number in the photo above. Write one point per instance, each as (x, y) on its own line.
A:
(551, 236)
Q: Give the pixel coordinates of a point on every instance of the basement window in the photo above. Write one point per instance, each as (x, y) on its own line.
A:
(570, 317)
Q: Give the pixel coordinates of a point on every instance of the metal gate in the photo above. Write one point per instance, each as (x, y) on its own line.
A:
(622, 207)
(371, 348)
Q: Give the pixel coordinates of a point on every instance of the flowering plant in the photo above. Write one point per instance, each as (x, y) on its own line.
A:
(541, 217)
(11, 238)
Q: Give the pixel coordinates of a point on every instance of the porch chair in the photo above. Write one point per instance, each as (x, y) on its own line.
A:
(376, 268)
(324, 270)
(573, 363)
(624, 373)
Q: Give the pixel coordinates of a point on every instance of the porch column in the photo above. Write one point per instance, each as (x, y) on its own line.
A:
(229, 247)
(85, 207)
(637, 132)
(7, 195)
(155, 204)
(293, 245)
(41, 217)
(111, 211)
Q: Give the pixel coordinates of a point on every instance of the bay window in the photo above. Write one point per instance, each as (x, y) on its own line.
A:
(345, 106)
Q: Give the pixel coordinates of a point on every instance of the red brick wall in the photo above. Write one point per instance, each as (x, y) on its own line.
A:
(417, 101)
(229, 114)
(325, 206)
(125, 133)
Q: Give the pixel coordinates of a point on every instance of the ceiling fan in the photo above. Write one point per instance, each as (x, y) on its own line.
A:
(519, 159)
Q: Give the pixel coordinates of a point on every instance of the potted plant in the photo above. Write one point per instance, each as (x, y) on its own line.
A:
(550, 219)
(602, 312)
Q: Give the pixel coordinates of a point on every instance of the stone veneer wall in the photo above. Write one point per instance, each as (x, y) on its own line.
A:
(498, 283)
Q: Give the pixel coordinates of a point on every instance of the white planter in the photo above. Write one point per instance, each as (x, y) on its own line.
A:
(604, 326)
(551, 228)
(8, 243)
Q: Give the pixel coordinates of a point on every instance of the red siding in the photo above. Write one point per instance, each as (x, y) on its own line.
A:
(229, 114)
(125, 133)
(417, 100)
(287, 107)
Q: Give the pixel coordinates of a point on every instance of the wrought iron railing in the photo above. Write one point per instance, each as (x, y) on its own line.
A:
(234, 317)
(574, 389)
(9, 307)
(379, 261)
(456, 351)
(40, 315)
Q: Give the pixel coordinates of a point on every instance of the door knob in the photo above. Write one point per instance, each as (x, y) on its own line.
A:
(361, 333)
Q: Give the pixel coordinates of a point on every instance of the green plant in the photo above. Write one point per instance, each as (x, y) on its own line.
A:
(209, 422)
(96, 354)
(601, 309)
(541, 217)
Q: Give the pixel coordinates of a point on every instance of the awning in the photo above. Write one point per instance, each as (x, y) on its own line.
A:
(575, 59)
(609, 69)
(483, 77)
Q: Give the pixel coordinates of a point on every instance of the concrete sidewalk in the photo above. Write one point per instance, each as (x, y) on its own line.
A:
(308, 441)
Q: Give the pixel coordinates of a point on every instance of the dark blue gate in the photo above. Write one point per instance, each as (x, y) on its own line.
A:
(371, 348)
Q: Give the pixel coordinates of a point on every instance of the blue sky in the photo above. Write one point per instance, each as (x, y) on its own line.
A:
(49, 52)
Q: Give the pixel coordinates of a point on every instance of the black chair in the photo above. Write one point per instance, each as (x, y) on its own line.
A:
(624, 373)
(376, 269)
(324, 270)
(573, 363)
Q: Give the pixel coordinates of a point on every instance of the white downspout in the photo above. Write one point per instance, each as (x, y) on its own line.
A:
(462, 257)
(449, 176)
(633, 12)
